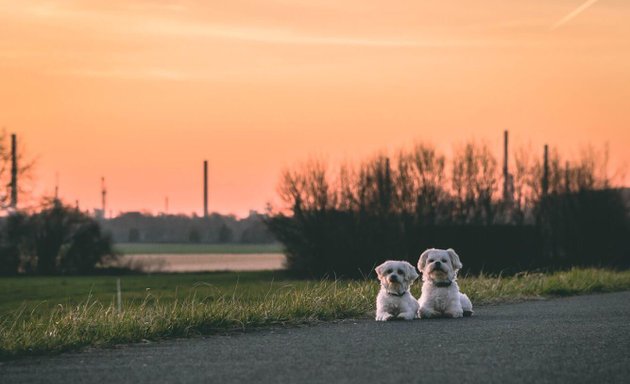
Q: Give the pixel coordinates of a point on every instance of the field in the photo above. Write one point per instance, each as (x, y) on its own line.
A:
(41, 295)
(195, 248)
(52, 314)
(205, 262)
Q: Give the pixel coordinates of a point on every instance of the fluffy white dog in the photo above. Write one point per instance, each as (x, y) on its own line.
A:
(440, 293)
(394, 299)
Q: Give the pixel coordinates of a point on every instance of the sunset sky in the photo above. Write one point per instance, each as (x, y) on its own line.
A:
(141, 92)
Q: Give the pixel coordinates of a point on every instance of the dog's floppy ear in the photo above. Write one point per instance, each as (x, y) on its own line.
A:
(412, 274)
(457, 265)
(422, 261)
(379, 270)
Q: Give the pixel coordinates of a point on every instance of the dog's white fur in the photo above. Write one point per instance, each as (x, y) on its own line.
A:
(440, 293)
(394, 300)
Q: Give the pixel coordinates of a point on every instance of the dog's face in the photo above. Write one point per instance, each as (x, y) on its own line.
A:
(439, 264)
(396, 275)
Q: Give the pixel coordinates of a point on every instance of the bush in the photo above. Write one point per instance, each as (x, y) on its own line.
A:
(395, 208)
(15, 244)
(344, 244)
(586, 228)
(58, 239)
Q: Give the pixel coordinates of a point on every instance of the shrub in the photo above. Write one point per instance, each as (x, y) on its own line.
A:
(395, 208)
(57, 239)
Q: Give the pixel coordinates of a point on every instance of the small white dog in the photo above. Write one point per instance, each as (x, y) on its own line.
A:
(440, 293)
(394, 299)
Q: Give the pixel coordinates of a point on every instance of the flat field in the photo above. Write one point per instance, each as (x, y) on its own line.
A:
(43, 294)
(195, 248)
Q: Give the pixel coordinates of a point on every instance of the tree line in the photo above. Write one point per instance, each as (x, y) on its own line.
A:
(216, 228)
(552, 215)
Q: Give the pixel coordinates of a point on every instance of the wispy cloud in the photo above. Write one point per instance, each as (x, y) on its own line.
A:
(573, 14)
(179, 25)
(138, 73)
(287, 36)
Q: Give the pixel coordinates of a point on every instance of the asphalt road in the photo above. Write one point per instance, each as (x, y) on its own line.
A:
(570, 340)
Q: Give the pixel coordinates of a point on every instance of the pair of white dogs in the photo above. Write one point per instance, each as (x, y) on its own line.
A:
(440, 295)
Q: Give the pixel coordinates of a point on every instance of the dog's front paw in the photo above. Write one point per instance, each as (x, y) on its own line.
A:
(384, 316)
(453, 314)
(407, 315)
(425, 313)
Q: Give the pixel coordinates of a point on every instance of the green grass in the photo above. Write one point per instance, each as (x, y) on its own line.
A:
(42, 294)
(188, 248)
(52, 314)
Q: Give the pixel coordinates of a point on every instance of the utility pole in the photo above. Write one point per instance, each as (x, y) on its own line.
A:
(506, 175)
(205, 188)
(14, 172)
(567, 177)
(545, 179)
(56, 185)
(103, 196)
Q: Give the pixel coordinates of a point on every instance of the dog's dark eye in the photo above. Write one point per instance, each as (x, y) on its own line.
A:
(444, 260)
(388, 271)
(400, 272)
(430, 260)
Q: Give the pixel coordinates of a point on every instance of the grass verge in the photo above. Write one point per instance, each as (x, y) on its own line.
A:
(211, 303)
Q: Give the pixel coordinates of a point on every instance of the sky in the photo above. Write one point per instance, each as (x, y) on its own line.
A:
(141, 92)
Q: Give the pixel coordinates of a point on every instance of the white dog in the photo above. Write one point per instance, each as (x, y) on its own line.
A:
(440, 293)
(394, 299)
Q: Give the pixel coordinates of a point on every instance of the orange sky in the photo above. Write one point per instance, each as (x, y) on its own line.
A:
(141, 92)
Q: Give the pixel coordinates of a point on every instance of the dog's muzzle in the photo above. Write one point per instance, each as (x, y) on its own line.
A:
(393, 279)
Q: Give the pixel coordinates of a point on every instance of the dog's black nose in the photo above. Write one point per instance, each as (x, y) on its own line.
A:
(393, 278)
(437, 263)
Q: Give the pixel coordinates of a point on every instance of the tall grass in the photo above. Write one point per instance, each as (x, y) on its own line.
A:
(96, 323)
(484, 289)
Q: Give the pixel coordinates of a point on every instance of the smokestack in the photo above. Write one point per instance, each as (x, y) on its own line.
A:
(14, 168)
(56, 185)
(205, 188)
(545, 180)
(103, 196)
(567, 177)
(506, 175)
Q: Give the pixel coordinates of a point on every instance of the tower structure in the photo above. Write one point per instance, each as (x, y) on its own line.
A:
(205, 188)
(14, 172)
(103, 196)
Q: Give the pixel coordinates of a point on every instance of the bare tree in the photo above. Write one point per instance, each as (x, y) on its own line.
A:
(306, 188)
(431, 179)
(475, 183)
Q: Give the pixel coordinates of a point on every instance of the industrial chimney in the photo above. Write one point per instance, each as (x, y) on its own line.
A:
(545, 177)
(205, 188)
(14, 172)
(506, 174)
(103, 196)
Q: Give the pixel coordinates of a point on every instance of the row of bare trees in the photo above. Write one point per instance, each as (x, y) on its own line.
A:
(416, 198)
(421, 182)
